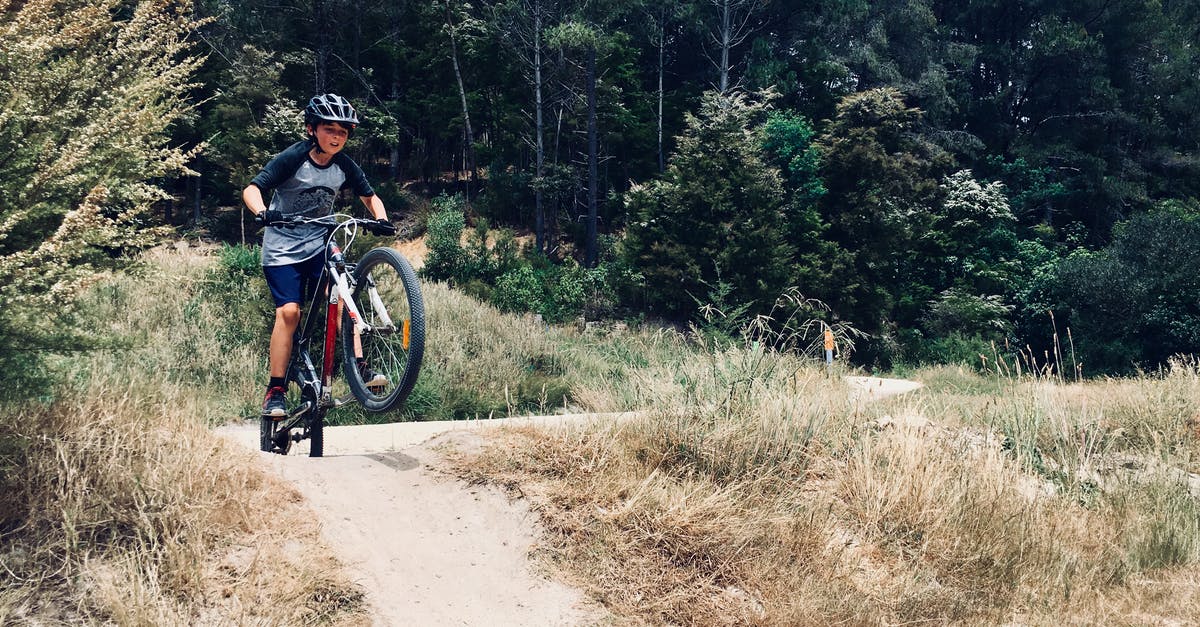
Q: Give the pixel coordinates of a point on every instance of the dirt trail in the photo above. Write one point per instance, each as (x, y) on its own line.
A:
(428, 549)
(876, 388)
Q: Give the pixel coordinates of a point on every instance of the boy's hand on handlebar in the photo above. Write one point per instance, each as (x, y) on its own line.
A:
(270, 216)
(382, 227)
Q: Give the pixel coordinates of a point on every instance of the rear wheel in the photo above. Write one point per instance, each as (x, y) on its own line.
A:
(392, 339)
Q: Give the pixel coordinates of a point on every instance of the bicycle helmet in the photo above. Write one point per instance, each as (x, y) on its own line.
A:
(330, 108)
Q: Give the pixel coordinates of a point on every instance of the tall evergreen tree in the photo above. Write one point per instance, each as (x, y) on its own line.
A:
(716, 216)
(882, 180)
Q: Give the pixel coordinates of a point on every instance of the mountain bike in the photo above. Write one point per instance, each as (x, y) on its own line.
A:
(375, 307)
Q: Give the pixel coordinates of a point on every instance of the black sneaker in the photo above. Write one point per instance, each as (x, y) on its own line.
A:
(275, 403)
(371, 379)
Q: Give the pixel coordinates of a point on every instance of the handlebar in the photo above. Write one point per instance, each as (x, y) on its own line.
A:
(337, 221)
(329, 222)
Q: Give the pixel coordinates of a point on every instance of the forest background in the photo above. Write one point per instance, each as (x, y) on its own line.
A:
(938, 181)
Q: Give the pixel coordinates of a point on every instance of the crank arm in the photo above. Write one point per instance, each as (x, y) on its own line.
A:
(294, 418)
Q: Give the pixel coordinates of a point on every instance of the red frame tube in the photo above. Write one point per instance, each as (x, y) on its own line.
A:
(332, 319)
(331, 325)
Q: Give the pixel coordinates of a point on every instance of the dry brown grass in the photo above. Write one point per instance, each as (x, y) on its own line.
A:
(129, 510)
(772, 498)
(118, 505)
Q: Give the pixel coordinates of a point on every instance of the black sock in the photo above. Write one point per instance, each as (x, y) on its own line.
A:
(360, 361)
(276, 382)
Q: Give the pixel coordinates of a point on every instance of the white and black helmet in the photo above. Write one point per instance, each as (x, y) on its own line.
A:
(330, 108)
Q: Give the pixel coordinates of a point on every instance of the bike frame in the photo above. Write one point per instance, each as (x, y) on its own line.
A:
(316, 389)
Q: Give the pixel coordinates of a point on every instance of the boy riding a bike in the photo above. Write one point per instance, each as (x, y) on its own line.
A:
(305, 180)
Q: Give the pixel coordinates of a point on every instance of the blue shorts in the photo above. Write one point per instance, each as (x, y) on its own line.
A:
(295, 282)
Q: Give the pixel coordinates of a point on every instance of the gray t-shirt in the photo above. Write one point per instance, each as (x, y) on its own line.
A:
(303, 188)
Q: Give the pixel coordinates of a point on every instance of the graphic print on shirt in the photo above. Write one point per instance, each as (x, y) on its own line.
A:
(313, 202)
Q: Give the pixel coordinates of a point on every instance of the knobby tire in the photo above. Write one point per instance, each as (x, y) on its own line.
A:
(385, 349)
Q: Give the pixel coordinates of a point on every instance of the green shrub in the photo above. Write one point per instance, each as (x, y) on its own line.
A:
(519, 289)
(240, 262)
(568, 292)
(955, 311)
(1136, 302)
(446, 255)
(719, 208)
(953, 348)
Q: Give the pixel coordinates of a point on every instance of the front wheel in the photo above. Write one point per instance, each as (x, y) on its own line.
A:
(391, 336)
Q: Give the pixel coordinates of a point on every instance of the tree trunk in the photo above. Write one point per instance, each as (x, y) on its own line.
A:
(593, 159)
(662, 44)
(394, 96)
(199, 191)
(558, 120)
(726, 42)
(540, 157)
(468, 135)
(356, 45)
(321, 56)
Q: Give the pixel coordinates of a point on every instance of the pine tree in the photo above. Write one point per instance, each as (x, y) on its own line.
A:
(716, 216)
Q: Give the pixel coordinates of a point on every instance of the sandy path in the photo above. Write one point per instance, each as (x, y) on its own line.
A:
(428, 549)
(875, 388)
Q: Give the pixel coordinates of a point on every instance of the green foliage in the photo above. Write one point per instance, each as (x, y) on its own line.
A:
(882, 179)
(519, 290)
(558, 292)
(29, 375)
(1088, 122)
(508, 198)
(579, 291)
(237, 285)
(952, 348)
(958, 312)
(573, 34)
(788, 142)
(1037, 192)
(492, 266)
(89, 99)
(1137, 301)
(721, 322)
(717, 209)
(91, 91)
(789, 145)
(239, 264)
(446, 254)
(964, 256)
(245, 123)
